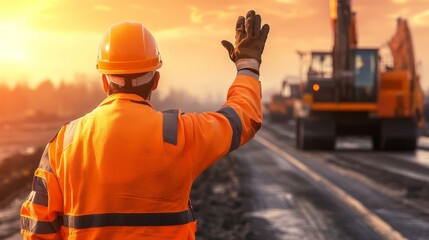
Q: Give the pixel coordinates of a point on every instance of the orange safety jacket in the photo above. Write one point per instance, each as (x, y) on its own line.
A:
(125, 170)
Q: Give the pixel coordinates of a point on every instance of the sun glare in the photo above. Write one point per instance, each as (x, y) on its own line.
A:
(13, 43)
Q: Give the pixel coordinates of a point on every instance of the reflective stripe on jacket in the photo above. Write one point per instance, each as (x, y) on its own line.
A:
(125, 170)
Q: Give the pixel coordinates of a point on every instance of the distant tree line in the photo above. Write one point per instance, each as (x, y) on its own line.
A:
(72, 99)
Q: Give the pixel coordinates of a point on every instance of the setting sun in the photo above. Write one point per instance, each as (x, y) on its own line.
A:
(14, 49)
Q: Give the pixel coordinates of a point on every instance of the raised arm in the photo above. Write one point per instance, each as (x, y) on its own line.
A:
(213, 134)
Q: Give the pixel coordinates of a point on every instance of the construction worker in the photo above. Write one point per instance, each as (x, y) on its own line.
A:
(125, 170)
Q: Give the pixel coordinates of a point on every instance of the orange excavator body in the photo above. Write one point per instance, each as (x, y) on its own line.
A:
(355, 95)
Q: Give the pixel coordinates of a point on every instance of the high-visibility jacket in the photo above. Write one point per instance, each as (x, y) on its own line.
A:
(125, 170)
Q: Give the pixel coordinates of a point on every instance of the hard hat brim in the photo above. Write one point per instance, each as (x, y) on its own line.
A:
(129, 67)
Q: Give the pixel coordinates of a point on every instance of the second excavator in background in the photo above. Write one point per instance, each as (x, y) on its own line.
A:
(282, 104)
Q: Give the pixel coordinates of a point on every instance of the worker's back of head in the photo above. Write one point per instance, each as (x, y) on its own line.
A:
(128, 58)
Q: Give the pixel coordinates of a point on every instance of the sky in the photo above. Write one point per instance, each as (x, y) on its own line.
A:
(58, 39)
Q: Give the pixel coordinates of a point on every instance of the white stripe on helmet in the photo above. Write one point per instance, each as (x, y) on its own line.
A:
(138, 81)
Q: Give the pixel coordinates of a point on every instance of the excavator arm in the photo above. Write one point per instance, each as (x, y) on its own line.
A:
(401, 47)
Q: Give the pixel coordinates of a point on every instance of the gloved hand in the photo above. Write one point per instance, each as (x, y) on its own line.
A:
(249, 38)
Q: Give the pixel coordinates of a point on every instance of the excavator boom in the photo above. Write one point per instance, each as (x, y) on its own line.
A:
(401, 47)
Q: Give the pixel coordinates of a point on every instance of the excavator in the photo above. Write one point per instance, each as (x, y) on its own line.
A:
(350, 91)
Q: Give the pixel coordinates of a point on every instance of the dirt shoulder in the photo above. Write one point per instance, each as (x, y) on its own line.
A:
(16, 173)
(217, 199)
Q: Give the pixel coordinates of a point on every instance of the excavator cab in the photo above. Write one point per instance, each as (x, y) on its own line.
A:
(325, 87)
(320, 84)
(321, 65)
(365, 64)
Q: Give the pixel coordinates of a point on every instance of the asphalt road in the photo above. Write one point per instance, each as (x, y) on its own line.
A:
(284, 203)
(327, 199)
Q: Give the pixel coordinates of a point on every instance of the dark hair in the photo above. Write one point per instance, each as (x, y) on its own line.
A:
(143, 90)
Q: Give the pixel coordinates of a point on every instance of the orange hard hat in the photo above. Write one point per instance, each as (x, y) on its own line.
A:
(128, 48)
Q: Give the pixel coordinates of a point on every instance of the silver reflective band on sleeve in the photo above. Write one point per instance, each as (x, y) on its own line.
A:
(69, 132)
(248, 73)
(39, 195)
(38, 198)
(40, 227)
(170, 126)
(40, 185)
(235, 122)
(44, 161)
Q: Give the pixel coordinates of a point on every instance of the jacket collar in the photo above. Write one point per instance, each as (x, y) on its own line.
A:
(125, 96)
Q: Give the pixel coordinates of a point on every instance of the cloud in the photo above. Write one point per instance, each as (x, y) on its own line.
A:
(294, 13)
(174, 33)
(421, 19)
(197, 15)
(90, 16)
(404, 11)
(103, 8)
(185, 32)
(399, 1)
(286, 1)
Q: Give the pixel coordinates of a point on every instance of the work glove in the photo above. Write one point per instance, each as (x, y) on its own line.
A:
(250, 41)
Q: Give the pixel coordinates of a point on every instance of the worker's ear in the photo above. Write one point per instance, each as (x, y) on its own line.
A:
(155, 80)
(105, 83)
